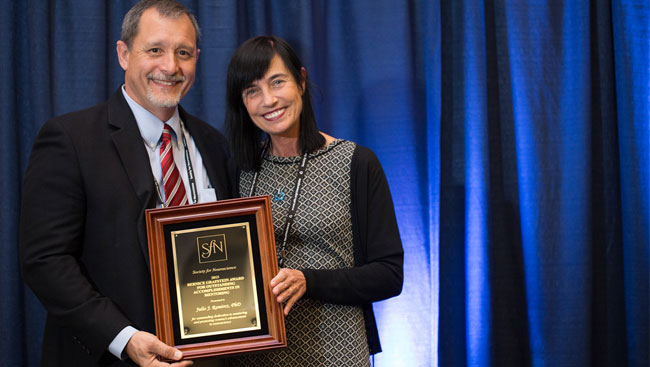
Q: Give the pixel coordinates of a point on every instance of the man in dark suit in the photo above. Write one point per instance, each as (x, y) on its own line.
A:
(90, 177)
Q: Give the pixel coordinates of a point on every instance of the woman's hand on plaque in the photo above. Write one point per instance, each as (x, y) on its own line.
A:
(289, 285)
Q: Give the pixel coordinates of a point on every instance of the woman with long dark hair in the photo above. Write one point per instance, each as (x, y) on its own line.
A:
(338, 244)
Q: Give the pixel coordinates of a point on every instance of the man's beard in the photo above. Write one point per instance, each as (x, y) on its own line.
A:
(164, 99)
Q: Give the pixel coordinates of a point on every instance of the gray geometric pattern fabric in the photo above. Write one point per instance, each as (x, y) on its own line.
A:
(318, 333)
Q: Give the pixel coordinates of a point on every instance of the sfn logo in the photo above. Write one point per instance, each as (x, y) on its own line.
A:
(212, 248)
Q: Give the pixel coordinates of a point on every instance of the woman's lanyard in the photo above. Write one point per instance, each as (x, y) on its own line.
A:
(188, 167)
(294, 203)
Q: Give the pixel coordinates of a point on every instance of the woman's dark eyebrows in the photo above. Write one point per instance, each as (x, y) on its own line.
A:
(277, 75)
(252, 84)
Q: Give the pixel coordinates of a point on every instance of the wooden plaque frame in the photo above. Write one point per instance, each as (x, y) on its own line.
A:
(157, 221)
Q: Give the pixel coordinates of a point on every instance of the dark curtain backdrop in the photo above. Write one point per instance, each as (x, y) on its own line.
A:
(514, 135)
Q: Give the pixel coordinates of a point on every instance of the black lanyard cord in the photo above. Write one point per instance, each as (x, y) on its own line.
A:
(294, 203)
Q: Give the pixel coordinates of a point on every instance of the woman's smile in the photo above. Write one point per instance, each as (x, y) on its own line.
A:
(275, 115)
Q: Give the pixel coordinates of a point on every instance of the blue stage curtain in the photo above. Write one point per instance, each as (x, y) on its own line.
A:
(544, 183)
(514, 135)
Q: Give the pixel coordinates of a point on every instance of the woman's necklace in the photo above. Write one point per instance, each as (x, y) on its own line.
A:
(294, 203)
(278, 196)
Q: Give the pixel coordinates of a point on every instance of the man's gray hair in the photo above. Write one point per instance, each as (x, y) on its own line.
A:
(167, 8)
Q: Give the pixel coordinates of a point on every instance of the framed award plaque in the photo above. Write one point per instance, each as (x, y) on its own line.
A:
(211, 265)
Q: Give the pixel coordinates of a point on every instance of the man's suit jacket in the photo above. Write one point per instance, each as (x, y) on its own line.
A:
(83, 245)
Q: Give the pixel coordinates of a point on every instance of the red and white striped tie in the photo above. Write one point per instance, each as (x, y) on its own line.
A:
(172, 181)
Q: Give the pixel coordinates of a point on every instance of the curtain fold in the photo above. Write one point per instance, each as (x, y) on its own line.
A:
(514, 136)
(631, 29)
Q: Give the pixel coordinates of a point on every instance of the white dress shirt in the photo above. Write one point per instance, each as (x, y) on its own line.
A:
(151, 130)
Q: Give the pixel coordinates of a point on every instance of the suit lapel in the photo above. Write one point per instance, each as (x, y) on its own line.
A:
(128, 142)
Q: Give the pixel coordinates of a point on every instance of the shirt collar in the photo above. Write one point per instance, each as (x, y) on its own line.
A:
(150, 126)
